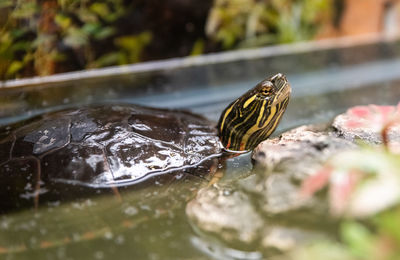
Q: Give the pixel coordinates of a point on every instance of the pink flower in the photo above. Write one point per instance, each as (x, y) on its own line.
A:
(341, 188)
(316, 182)
(340, 183)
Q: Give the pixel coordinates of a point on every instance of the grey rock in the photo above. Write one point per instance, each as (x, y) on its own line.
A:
(266, 208)
(288, 238)
(230, 214)
(289, 159)
(301, 146)
(370, 132)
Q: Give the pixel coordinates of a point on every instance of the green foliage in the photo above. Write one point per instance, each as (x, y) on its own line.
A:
(359, 239)
(377, 237)
(247, 23)
(46, 37)
(131, 46)
(198, 48)
(129, 49)
(38, 37)
(374, 238)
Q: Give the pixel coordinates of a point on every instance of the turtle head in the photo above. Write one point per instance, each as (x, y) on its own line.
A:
(253, 117)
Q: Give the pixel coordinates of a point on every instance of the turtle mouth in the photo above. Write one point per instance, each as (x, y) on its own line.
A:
(279, 81)
(283, 88)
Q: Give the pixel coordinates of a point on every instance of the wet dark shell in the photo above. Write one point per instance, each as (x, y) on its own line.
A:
(100, 147)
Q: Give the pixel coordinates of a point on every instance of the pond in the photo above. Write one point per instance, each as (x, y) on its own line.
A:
(150, 222)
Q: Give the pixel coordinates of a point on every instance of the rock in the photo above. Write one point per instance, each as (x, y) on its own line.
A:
(219, 211)
(247, 211)
(288, 160)
(288, 238)
(365, 123)
(227, 213)
(302, 145)
(267, 209)
(278, 194)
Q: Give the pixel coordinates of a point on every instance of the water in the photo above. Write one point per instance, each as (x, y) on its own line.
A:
(151, 223)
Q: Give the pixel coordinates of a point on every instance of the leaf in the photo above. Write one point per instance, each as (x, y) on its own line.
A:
(132, 46)
(104, 33)
(101, 9)
(14, 67)
(76, 38)
(87, 16)
(198, 48)
(91, 28)
(106, 60)
(21, 46)
(359, 239)
(18, 32)
(6, 3)
(25, 11)
(62, 21)
(132, 42)
(389, 224)
(97, 31)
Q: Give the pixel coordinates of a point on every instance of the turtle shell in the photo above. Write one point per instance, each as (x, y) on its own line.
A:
(101, 147)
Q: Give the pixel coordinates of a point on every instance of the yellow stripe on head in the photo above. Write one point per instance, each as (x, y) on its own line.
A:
(255, 115)
(249, 101)
(257, 126)
(225, 115)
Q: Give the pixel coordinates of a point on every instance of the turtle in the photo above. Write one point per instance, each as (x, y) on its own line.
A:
(105, 148)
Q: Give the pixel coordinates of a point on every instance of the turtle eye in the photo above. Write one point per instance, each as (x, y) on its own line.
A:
(266, 91)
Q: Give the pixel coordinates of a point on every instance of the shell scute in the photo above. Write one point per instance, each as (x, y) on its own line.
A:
(76, 163)
(41, 136)
(18, 187)
(5, 149)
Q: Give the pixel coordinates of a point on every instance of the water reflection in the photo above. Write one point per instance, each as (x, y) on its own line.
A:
(149, 223)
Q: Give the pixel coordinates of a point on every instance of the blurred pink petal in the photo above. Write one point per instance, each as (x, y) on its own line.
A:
(354, 124)
(372, 116)
(359, 111)
(341, 189)
(384, 111)
(316, 182)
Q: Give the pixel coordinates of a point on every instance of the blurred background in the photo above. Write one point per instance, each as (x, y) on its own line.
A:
(40, 38)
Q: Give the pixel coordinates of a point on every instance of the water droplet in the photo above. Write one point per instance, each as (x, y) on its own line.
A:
(145, 207)
(99, 255)
(5, 224)
(53, 203)
(89, 202)
(227, 192)
(130, 211)
(33, 240)
(76, 237)
(28, 187)
(120, 239)
(108, 235)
